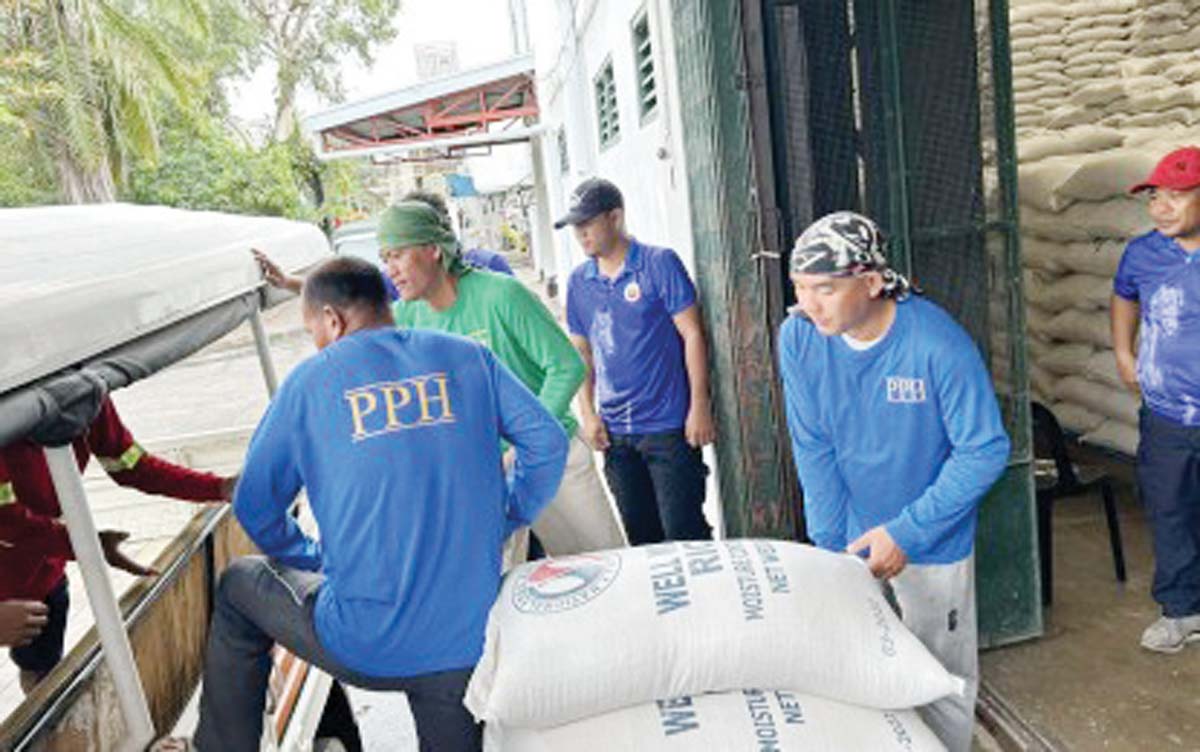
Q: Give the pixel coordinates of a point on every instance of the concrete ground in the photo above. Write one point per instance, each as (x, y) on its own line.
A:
(1087, 684)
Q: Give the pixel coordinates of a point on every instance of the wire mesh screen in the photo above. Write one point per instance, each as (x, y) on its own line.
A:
(887, 107)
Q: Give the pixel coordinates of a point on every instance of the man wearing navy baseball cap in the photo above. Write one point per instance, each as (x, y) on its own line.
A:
(1157, 289)
(631, 312)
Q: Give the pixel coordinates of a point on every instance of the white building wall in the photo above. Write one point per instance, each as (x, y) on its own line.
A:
(646, 161)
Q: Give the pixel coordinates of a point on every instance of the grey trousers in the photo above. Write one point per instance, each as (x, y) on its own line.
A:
(260, 603)
(937, 604)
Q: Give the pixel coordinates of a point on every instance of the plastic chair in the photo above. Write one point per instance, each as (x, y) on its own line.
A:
(1056, 477)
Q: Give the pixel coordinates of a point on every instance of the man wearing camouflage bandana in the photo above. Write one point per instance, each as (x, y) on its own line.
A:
(896, 437)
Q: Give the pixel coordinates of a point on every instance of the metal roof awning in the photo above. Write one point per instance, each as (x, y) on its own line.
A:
(491, 105)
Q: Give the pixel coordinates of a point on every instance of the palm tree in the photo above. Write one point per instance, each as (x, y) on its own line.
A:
(94, 74)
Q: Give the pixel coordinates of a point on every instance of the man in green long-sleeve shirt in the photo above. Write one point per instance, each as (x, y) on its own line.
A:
(438, 291)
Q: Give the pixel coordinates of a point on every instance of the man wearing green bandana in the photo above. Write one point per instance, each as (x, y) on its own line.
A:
(438, 290)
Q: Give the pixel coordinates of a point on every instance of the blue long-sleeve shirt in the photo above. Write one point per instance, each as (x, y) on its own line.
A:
(905, 434)
(395, 436)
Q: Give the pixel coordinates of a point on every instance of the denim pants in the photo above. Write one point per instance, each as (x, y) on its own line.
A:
(1168, 475)
(260, 603)
(658, 481)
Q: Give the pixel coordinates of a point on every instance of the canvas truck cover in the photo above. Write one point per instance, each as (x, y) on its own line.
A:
(95, 297)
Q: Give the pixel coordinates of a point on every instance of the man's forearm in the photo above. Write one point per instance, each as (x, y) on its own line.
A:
(1123, 318)
(587, 388)
(695, 358)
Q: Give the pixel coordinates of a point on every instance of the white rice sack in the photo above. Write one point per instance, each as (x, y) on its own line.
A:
(1162, 10)
(1039, 13)
(1080, 140)
(1038, 40)
(1100, 257)
(1141, 66)
(1073, 325)
(1039, 184)
(1122, 45)
(1040, 379)
(1091, 70)
(1113, 22)
(1037, 321)
(1176, 116)
(1068, 115)
(1107, 174)
(578, 636)
(1150, 31)
(1179, 42)
(1075, 418)
(1108, 8)
(1054, 78)
(1113, 434)
(1041, 254)
(1023, 59)
(1101, 367)
(744, 720)
(1036, 283)
(1078, 58)
(1117, 404)
(1038, 348)
(1098, 93)
(1121, 218)
(1068, 359)
(1087, 292)
(1184, 73)
(1156, 93)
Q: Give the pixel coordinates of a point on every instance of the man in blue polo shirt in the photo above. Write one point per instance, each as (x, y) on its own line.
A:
(631, 312)
(1158, 282)
(395, 436)
(896, 436)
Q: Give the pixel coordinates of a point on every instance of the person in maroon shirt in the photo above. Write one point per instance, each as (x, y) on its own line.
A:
(34, 545)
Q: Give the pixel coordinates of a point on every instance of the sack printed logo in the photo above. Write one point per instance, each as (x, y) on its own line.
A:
(633, 293)
(905, 390)
(557, 585)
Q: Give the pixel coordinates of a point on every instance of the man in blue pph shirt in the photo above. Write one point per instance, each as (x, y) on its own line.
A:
(896, 436)
(395, 595)
(1158, 281)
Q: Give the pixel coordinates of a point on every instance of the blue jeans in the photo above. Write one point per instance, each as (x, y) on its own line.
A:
(260, 603)
(658, 481)
(1168, 475)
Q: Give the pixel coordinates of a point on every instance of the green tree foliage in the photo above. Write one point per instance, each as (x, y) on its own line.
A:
(95, 70)
(309, 39)
(123, 98)
(203, 166)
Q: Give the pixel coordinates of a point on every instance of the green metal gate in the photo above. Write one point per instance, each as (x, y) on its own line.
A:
(901, 109)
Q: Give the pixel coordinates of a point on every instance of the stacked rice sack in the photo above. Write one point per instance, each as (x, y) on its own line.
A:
(1102, 89)
(1120, 63)
(702, 645)
(1076, 218)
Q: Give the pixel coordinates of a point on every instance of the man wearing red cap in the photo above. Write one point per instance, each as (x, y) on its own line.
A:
(1157, 289)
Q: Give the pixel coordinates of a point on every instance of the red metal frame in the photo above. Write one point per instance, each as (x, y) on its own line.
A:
(462, 113)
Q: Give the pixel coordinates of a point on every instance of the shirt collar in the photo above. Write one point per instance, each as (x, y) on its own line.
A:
(633, 263)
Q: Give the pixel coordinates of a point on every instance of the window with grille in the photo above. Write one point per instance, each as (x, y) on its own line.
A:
(643, 66)
(607, 122)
